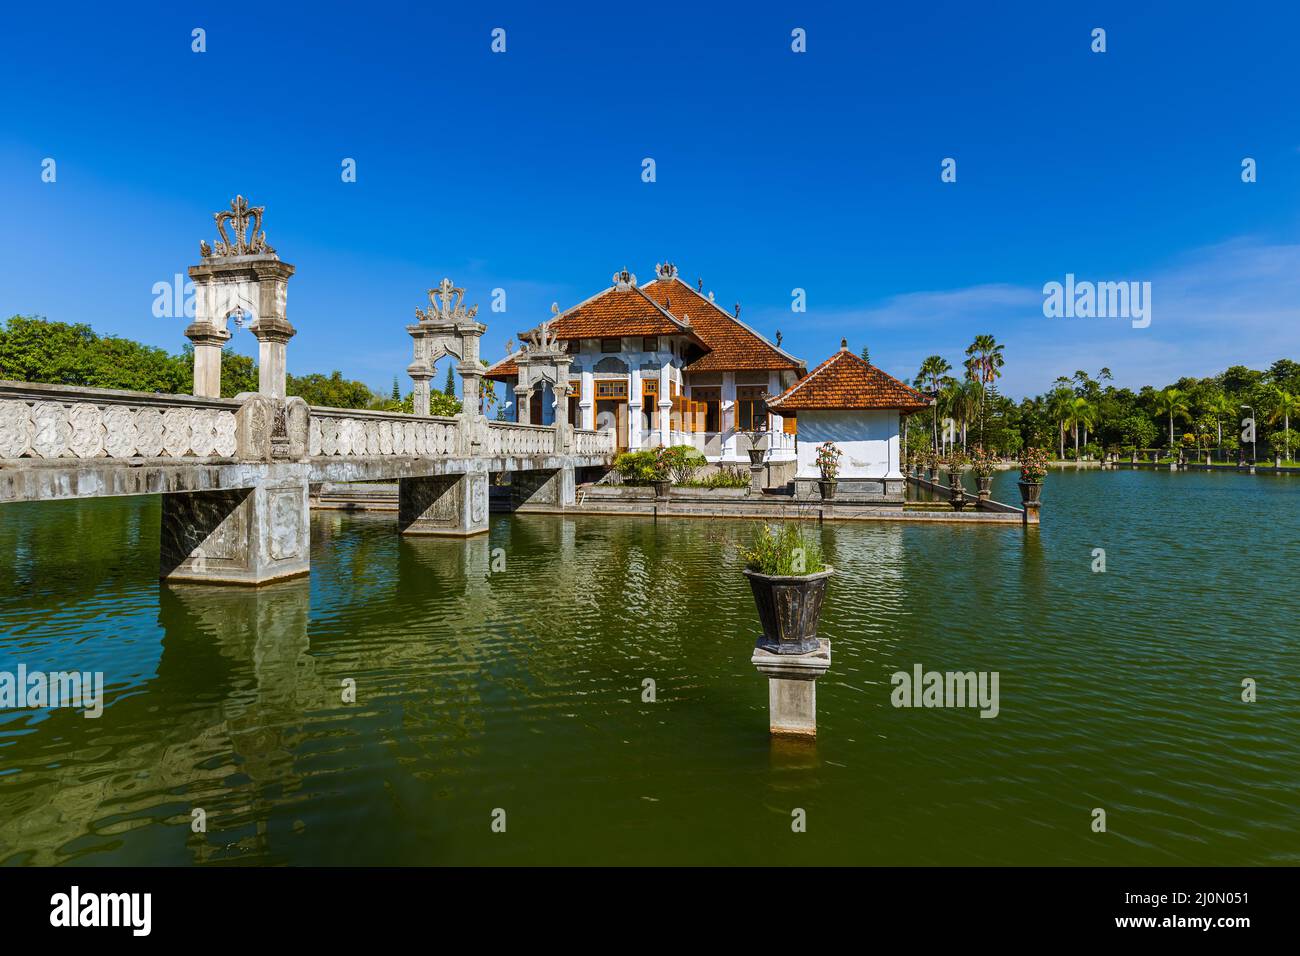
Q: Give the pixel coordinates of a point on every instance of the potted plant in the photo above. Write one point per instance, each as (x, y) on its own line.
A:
(828, 464)
(931, 464)
(982, 464)
(1033, 471)
(756, 436)
(661, 472)
(788, 578)
(956, 491)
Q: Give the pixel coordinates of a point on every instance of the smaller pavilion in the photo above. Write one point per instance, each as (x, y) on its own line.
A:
(852, 403)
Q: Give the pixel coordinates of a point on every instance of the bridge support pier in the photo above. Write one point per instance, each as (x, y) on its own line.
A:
(453, 505)
(238, 536)
(553, 487)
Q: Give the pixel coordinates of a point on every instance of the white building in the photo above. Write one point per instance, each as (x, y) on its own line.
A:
(662, 364)
(858, 408)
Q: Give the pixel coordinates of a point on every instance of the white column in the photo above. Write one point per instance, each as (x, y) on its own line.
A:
(727, 414)
(634, 410)
(666, 401)
(587, 407)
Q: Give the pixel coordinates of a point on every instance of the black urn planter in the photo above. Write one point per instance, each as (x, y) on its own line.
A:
(756, 455)
(1031, 492)
(985, 483)
(661, 488)
(827, 488)
(789, 607)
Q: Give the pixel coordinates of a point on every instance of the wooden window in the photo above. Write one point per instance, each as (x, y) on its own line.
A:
(751, 408)
(612, 389)
(650, 343)
(611, 345)
(790, 425)
(709, 402)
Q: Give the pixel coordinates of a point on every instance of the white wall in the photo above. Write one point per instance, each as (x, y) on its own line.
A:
(868, 440)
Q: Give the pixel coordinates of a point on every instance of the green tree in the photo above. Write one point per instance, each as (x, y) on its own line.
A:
(450, 387)
(932, 370)
(1173, 403)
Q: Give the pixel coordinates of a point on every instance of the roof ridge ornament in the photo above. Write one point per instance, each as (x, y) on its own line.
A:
(666, 271)
(624, 280)
(246, 242)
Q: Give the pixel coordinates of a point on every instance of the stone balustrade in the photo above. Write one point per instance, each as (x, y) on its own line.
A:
(589, 442)
(346, 432)
(60, 421)
(511, 438)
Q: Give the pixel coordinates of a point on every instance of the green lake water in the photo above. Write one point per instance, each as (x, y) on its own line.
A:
(520, 689)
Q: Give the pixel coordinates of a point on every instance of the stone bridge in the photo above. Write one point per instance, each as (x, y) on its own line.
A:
(235, 473)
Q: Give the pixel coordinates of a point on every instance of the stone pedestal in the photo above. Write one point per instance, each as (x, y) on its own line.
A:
(1032, 509)
(792, 687)
(451, 505)
(755, 479)
(240, 536)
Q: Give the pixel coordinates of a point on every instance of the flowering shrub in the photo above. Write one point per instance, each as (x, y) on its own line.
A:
(957, 460)
(983, 463)
(828, 460)
(681, 462)
(1033, 466)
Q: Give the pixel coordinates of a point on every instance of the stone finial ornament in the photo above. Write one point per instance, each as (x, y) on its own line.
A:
(247, 242)
(665, 271)
(446, 305)
(624, 280)
(542, 340)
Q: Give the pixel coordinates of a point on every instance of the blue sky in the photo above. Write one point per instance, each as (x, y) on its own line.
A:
(775, 170)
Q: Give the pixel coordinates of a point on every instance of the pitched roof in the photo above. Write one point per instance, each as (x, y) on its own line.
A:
(845, 381)
(618, 310)
(504, 369)
(666, 306)
(732, 344)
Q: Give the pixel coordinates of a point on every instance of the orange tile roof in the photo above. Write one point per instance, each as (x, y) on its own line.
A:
(732, 344)
(666, 306)
(845, 381)
(617, 311)
(504, 369)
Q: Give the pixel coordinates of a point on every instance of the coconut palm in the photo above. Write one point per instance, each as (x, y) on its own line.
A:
(1081, 414)
(1060, 404)
(984, 364)
(932, 370)
(1172, 402)
(1284, 406)
(1220, 406)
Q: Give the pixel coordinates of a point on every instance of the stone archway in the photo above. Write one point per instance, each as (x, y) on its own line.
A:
(240, 274)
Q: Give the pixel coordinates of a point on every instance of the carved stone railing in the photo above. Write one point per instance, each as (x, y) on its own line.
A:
(511, 438)
(346, 432)
(63, 421)
(590, 442)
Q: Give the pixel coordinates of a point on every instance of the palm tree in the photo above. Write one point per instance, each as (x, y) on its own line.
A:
(1172, 402)
(1060, 404)
(984, 365)
(1284, 405)
(1220, 406)
(933, 369)
(950, 397)
(1082, 414)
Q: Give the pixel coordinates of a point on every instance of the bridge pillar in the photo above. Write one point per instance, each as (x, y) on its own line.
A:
(454, 505)
(552, 487)
(238, 536)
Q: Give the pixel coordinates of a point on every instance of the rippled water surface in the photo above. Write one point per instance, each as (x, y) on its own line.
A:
(521, 689)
